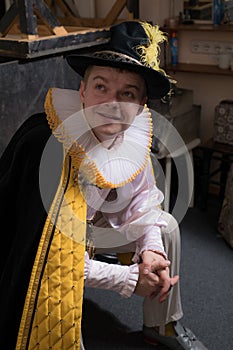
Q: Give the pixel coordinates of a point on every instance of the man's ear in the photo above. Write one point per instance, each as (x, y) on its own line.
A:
(144, 101)
(142, 104)
(82, 91)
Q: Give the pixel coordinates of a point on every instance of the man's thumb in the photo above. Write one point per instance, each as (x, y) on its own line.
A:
(146, 269)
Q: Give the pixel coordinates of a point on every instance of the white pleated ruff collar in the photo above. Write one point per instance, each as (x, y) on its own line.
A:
(105, 167)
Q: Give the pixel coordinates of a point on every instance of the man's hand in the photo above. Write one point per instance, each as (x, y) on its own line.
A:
(157, 264)
(166, 283)
(149, 281)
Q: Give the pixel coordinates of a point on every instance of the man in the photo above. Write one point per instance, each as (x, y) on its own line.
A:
(89, 182)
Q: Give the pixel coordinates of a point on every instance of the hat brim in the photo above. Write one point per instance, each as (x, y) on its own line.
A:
(158, 85)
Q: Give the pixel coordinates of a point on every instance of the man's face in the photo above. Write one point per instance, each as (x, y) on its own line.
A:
(115, 97)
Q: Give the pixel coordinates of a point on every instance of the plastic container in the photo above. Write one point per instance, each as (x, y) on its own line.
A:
(174, 48)
(218, 12)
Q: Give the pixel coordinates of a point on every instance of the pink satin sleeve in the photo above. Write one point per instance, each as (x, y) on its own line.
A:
(118, 278)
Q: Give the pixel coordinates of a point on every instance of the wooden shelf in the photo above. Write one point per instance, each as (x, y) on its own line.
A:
(79, 38)
(31, 29)
(199, 68)
(203, 27)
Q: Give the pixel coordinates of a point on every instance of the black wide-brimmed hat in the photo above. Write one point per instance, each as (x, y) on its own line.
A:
(135, 46)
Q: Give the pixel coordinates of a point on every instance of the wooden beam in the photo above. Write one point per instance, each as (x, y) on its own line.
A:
(114, 12)
(65, 9)
(47, 16)
(27, 10)
(68, 17)
(133, 8)
(27, 19)
(8, 19)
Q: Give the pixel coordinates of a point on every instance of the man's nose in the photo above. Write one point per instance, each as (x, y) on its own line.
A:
(114, 104)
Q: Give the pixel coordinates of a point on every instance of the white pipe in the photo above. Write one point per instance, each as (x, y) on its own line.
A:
(8, 4)
(92, 8)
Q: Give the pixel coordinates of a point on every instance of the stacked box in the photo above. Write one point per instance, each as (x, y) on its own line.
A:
(181, 113)
(223, 122)
(225, 223)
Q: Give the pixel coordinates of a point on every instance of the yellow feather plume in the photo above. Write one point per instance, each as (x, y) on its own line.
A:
(149, 53)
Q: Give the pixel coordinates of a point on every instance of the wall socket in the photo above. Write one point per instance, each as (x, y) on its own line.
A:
(211, 47)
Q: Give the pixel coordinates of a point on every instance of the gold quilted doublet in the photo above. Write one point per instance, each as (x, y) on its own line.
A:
(58, 312)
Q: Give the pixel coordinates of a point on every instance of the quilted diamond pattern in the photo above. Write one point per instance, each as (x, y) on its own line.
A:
(57, 320)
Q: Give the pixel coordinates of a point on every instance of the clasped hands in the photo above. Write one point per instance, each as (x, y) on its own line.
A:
(154, 276)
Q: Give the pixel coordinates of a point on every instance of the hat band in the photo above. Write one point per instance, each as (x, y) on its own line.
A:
(116, 56)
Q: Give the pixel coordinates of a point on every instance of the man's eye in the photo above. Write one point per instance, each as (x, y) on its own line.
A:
(129, 94)
(100, 87)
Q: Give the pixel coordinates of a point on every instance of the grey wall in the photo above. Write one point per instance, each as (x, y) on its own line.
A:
(23, 87)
